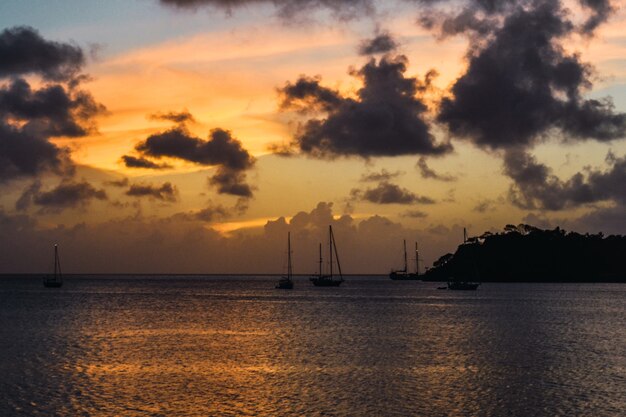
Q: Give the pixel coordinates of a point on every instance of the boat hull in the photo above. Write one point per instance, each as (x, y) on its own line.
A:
(52, 284)
(398, 276)
(325, 282)
(284, 284)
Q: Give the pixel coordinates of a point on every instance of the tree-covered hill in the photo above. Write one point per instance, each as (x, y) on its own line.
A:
(525, 253)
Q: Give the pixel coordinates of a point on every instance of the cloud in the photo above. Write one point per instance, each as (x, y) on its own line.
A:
(414, 214)
(601, 11)
(387, 117)
(27, 154)
(426, 172)
(610, 220)
(388, 193)
(230, 181)
(211, 213)
(53, 110)
(380, 44)
(221, 150)
(465, 21)
(166, 192)
(307, 95)
(536, 187)
(383, 175)
(176, 117)
(140, 162)
(345, 9)
(68, 194)
(30, 117)
(118, 183)
(24, 51)
(520, 84)
(483, 206)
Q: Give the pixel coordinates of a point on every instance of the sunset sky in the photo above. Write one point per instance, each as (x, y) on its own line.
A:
(188, 136)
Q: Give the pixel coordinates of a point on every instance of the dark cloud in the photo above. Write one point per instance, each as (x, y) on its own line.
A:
(30, 117)
(221, 150)
(466, 21)
(23, 153)
(414, 214)
(343, 9)
(380, 44)
(230, 181)
(23, 51)
(387, 118)
(536, 187)
(53, 110)
(387, 193)
(610, 220)
(520, 84)
(140, 162)
(307, 96)
(209, 214)
(68, 194)
(483, 206)
(176, 117)
(428, 173)
(383, 175)
(166, 192)
(601, 10)
(118, 183)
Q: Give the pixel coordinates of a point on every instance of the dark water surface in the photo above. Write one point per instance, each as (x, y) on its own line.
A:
(197, 346)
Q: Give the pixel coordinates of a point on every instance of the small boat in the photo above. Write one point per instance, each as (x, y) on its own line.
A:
(286, 283)
(56, 280)
(329, 280)
(404, 274)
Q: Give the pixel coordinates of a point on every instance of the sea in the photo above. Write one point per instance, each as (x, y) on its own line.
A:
(120, 345)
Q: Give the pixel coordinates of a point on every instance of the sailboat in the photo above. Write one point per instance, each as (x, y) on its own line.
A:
(328, 280)
(56, 280)
(286, 283)
(404, 274)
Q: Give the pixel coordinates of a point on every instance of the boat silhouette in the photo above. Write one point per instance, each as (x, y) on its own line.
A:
(328, 280)
(56, 280)
(404, 274)
(286, 283)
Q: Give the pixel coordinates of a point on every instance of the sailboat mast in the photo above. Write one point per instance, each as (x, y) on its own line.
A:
(55, 260)
(404, 245)
(289, 255)
(321, 260)
(57, 264)
(330, 248)
(332, 236)
(417, 260)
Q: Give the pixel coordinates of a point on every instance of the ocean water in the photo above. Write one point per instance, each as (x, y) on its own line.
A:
(204, 346)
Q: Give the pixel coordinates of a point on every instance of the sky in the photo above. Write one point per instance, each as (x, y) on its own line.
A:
(189, 136)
